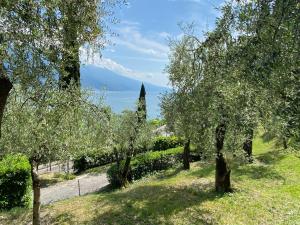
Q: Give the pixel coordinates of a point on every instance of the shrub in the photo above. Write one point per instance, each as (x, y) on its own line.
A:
(148, 163)
(15, 182)
(91, 160)
(164, 143)
(114, 172)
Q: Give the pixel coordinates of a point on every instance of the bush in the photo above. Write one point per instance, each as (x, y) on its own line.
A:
(15, 182)
(91, 160)
(114, 172)
(148, 163)
(164, 143)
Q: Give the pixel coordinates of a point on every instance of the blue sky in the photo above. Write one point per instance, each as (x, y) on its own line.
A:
(140, 49)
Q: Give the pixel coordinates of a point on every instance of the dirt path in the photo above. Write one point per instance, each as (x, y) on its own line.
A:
(88, 183)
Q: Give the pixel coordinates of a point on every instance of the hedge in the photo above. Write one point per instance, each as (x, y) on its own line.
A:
(91, 160)
(15, 182)
(148, 163)
(164, 143)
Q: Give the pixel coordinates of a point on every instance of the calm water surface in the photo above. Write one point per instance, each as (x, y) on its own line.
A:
(121, 100)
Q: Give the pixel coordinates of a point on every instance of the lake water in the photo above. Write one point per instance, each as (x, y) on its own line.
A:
(121, 100)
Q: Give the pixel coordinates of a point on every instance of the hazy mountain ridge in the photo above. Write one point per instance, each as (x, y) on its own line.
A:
(100, 78)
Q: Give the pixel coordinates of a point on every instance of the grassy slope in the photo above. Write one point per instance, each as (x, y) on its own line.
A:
(267, 192)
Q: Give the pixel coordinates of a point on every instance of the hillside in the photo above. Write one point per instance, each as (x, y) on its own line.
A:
(99, 78)
(266, 192)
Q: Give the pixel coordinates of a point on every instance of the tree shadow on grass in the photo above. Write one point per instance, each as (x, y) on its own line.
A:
(151, 204)
(257, 172)
(271, 157)
(267, 137)
(63, 218)
(204, 171)
(15, 216)
(169, 173)
(264, 168)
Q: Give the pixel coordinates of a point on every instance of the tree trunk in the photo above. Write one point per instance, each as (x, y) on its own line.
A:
(186, 155)
(248, 145)
(71, 60)
(222, 179)
(285, 143)
(36, 185)
(124, 175)
(68, 166)
(5, 87)
(71, 70)
(222, 174)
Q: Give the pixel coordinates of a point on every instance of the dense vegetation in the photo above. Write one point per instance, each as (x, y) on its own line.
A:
(244, 74)
(15, 182)
(164, 143)
(148, 163)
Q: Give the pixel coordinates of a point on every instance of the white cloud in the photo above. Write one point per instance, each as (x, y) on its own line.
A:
(130, 37)
(95, 59)
(165, 35)
(146, 48)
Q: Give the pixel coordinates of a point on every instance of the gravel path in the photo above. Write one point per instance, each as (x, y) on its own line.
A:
(88, 183)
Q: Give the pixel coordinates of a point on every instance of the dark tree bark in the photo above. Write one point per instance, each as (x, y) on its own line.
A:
(186, 155)
(124, 175)
(71, 60)
(5, 87)
(36, 187)
(222, 179)
(285, 143)
(71, 70)
(68, 166)
(247, 146)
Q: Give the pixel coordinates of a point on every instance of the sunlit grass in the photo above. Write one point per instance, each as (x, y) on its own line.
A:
(54, 178)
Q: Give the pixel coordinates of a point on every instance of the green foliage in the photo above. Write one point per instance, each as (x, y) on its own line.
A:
(114, 174)
(91, 160)
(15, 182)
(150, 162)
(129, 136)
(232, 74)
(147, 163)
(54, 125)
(164, 143)
(157, 122)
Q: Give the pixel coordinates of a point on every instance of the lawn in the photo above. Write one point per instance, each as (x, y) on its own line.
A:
(48, 179)
(266, 192)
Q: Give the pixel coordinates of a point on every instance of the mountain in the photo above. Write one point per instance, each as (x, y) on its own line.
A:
(100, 78)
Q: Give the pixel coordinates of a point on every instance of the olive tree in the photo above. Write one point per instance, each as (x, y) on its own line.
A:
(84, 24)
(128, 137)
(220, 104)
(176, 110)
(269, 52)
(41, 39)
(48, 124)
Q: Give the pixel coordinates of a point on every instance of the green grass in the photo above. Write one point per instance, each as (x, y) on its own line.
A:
(266, 192)
(48, 179)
